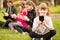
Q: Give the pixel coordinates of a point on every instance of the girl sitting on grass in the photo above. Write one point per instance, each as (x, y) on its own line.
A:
(42, 26)
(31, 10)
(23, 26)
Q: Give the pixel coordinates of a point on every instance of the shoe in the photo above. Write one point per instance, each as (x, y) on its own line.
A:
(36, 39)
(16, 31)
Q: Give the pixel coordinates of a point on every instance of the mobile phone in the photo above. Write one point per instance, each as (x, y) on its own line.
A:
(41, 18)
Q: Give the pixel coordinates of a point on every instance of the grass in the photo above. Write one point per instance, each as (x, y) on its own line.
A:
(1, 15)
(56, 24)
(55, 9)
(6, 34)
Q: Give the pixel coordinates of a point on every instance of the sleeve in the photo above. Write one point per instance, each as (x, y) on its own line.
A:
(25, 13)
(34, 25)
(50, 24)
(19, 19)
(15, 10)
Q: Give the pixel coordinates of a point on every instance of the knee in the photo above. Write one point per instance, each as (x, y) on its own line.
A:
(31, 35)
(53, 32)
(10, 24)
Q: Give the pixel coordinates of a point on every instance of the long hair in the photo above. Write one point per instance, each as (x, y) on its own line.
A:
(31, 3)
(22, 4)
(43, 5)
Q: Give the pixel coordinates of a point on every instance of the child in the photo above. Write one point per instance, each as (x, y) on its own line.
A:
(42, 26)
(31, 12)
(10, 10)
(23, 14)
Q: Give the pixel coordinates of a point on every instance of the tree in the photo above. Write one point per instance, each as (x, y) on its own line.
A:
(54, 2)
(5, 3)
(1, 4)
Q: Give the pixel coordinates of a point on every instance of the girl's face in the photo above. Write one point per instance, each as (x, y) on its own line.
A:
(29, 7)
(9, 4)
(43, 9)
(43, 12)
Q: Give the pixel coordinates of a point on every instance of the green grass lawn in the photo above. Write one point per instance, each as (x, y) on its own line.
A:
(55, 9)
(56, 24)
(6, 34)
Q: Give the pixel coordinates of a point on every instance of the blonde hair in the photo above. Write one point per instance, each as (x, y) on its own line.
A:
(22, 4)
(31, 3)
(43, 5)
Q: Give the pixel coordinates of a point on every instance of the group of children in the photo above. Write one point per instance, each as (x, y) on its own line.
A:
(35, 21)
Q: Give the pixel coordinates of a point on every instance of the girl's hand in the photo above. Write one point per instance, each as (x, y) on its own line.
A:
(26, 18)
(39, 22)
(13, 16)
(38, 25)
(6, 14)
(44, 23)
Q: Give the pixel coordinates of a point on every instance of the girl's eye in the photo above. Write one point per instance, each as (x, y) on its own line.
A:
(42, 9)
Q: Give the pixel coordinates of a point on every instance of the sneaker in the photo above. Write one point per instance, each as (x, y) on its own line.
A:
(36, 39)
(16, 31)
(23, 33)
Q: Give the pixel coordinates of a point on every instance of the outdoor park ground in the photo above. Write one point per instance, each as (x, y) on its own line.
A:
(6, 34)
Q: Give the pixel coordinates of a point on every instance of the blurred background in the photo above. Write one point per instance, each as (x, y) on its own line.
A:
(54, 5)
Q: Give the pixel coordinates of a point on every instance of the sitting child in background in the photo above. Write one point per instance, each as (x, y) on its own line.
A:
(10, 10)
(31, 10)
(23, 27)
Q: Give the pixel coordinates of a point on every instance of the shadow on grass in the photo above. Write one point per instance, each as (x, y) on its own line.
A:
(2, 25)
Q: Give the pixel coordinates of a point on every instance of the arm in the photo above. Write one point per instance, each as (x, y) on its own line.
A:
(36, 25)
(14, 10)
(25, 15)
(6, 14)
(18, 19)
(49, 25)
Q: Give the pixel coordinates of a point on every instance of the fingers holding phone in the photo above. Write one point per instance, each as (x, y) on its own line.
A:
(6, 14)
(13, 16)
